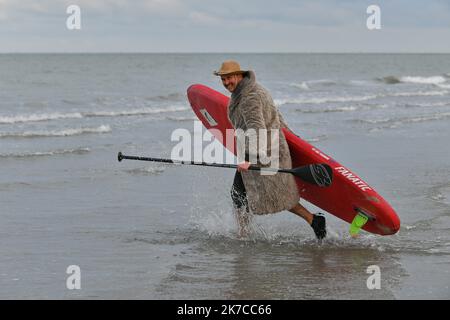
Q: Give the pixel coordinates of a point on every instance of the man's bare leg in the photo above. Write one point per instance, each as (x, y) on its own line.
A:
(317, 222)
(243, 221)
(302, 212)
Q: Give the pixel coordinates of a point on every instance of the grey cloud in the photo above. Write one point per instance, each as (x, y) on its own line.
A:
(232, 25)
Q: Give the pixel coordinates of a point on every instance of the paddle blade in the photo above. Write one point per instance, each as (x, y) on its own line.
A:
(318, 174)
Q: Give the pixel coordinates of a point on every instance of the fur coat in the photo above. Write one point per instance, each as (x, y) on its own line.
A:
(252, 107)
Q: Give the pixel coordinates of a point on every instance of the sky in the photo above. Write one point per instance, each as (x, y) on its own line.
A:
(225, 26)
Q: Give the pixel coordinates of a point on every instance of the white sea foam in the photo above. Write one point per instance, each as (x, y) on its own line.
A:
(423, 80)
(318, 138)
(344, 99)
(438, 197)
(55, 133)
(373, 121)
(443, 86)
(418, 93)
(325, 82)
(413, 79)
(326, 110)
(429, 104)
(360, 82)
(437, 116)
(45, 153)
(191, 118)
(134, 112)
(39, 117)
(303, 85)
(324, 100)
(391, 123)
(77, 115)
(350, 108)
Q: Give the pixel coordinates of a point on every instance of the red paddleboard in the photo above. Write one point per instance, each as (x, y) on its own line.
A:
(348, 194)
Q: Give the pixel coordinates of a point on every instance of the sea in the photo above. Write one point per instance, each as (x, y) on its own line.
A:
(77, 224)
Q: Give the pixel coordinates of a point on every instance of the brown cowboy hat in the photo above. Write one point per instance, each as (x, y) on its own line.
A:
(229, 67)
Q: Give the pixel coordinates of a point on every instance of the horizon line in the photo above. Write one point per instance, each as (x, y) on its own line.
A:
(222, 52)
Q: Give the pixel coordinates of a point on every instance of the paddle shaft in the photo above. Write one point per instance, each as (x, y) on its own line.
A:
(120, 157)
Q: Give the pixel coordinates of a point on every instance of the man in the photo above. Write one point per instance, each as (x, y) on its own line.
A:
(252, 107)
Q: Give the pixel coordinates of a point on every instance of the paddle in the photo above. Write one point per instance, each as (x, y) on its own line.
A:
(318, 174)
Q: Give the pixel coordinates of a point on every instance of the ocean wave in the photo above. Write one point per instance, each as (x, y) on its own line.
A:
(146, 170)
(423, 80)
(78, 115)
(38, 117)
(45, 153)
(303, 85)
(134, 112)
(327, 110)
(343, 109)
(318, 138)
(360, 82)
(371, 121)
(324, 82)
(440, 193)
(169, 97)
(418, 93)
(36, 104)
(72, 102)
(54, 133)
(427, 105)
(413, 79)
(182, 118)
(362, 98)
(103, 100)
(307, 84)
(391, 123)
(389, 80)
(324, 100)
(443, 86)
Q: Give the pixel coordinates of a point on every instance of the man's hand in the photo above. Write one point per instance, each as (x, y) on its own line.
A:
(243, 166)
